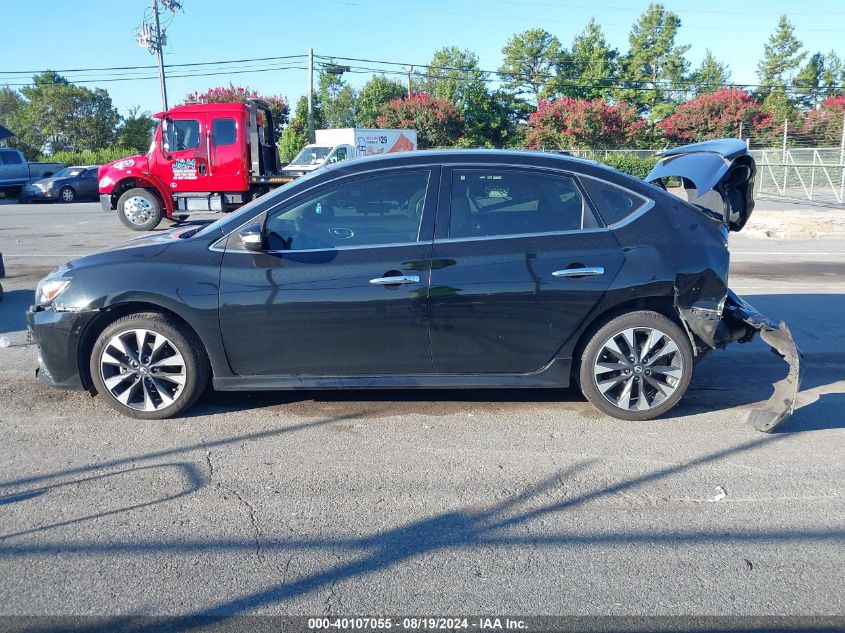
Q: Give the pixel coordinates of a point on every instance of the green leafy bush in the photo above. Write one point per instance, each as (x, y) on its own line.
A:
(89, 157)
(632, 164)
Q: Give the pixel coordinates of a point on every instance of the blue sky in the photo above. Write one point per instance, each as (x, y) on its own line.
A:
(97, 33)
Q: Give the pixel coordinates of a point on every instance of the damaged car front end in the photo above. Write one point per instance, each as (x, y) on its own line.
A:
(717, 177)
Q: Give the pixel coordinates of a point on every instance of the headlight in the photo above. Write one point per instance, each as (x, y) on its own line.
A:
(48, 289)
(123, 164)
(105, 181)
(44, 186)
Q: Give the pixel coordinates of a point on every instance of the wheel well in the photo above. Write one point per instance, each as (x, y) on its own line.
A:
(661, 305)
(109, 316)
(129, 183)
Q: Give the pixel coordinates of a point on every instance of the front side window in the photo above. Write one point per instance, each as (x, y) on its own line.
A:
(311, 155)
(182, 134)
(338, 155)
(487, 203)
(223, 132)
(369, 211)
(613, 204)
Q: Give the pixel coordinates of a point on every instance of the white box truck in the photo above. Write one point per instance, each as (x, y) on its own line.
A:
(333, 146)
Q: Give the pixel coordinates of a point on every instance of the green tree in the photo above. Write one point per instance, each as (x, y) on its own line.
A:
(530, 59)
(588, 69)
(489, 118)
(833, 75)
(337, 99)
(451, 74)
(295, 135)
(710, 77)
(10, 106)
(375, 93)
(782, 56)
(136, 131)
(808, 82)
(59, 116)
(654, 67)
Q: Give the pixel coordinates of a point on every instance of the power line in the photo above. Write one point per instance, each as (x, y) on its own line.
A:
(151, 66)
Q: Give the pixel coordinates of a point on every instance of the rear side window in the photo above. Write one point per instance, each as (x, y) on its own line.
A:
(10, 158)
(612, 203)
(500, 202)
(223, 132)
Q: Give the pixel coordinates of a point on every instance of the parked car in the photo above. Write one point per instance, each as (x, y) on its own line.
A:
(15, 171)
(66, 185)
(448, 269)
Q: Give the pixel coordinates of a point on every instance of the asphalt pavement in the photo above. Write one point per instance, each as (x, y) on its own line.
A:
(512, 502)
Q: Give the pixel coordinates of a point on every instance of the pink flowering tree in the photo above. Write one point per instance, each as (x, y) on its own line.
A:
(438, 122)
(279, 107)
(569, 123)
(720, 114)
(824, 126)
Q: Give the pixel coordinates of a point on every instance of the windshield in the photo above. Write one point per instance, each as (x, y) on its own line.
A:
(311, 155)
(69, 172)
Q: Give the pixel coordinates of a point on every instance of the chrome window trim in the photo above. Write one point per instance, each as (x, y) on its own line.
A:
(220, 249)
(511, 236)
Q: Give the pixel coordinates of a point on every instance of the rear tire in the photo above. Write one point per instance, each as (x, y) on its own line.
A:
(139, 209)
(149, 366)
(637, 366)
(67, 194)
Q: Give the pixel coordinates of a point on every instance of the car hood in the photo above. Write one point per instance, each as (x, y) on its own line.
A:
(49, 181)
(718, 175)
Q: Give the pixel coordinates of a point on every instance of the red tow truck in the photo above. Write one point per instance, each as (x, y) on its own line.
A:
(204, 157)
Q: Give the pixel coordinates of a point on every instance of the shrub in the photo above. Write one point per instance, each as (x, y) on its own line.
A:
(580, 124)
(633, 164)
(89, 157)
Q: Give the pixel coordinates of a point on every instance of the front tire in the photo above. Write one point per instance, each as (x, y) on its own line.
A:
(637, 366)
(67, 194)
(139, 209)
(149, 366)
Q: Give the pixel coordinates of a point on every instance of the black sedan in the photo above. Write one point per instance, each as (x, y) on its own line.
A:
(66, 185)
(446, 269)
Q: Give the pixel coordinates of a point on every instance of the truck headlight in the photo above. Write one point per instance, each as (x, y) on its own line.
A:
(48, 289)
(105, 181)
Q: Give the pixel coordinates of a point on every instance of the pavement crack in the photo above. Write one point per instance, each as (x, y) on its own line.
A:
(253, 519)
(210, 465)
(327, 603)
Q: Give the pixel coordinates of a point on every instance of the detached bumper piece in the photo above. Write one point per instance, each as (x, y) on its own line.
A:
(782, 403)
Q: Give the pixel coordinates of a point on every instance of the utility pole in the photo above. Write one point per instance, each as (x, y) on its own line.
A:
(310, 95)
(153, 38)
(160, 56)
(409, 70)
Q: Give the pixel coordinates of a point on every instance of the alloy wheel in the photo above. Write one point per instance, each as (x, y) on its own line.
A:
(638, 368)
(143, 370)
(138, 210)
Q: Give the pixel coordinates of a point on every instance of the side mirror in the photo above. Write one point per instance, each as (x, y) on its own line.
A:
(252, 238)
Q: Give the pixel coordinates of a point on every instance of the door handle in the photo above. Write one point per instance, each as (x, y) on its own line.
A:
(584, 271)
(398, 280)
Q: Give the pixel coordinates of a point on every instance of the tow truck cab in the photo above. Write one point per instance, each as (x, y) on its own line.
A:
(203, 157)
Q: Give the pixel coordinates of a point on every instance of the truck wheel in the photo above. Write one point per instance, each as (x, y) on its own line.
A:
(67, 194)
(149, 366)
(637, 366)
(139, 209)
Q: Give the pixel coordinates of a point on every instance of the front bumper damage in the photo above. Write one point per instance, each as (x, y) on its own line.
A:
(733, 319)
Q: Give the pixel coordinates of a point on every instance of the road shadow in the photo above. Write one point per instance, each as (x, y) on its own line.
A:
(13, 307)
(507, 523)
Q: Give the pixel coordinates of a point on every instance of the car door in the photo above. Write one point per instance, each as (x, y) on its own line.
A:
(185, 153)
(87, 183)
(340, 288)
(519, 260)
(12, 167)
(227, 152)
